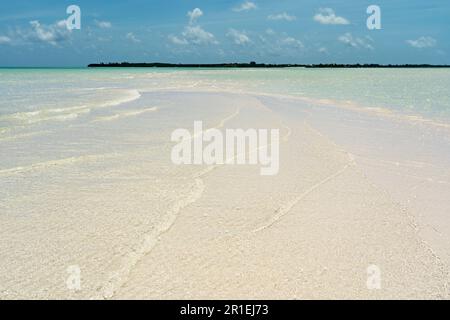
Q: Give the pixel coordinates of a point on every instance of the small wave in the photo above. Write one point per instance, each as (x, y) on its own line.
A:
(131, 95)
(24, 135)
(40, 166)
(97, 88)
(230, 117)
(288, 206)
(126, 114)
(138, 112)
(4, 131)
(119, 278)
(69, 113)
(353, 106)
(385, 112)
(59, 114)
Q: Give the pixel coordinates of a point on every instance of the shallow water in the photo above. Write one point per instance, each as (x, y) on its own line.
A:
(86, 177)
(31, 94)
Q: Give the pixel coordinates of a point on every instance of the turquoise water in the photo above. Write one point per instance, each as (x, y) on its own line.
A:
(423, 92)
(31, 96)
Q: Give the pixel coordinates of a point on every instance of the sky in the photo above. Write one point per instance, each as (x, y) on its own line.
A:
(35, 33)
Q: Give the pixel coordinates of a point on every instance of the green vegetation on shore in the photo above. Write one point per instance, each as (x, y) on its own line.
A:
(257, 65)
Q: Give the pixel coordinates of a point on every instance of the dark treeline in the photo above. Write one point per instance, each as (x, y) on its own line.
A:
(373, 65)
(180, 65)
(257, 65)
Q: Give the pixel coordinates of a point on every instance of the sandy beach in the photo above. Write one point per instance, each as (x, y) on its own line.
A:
(138, 226)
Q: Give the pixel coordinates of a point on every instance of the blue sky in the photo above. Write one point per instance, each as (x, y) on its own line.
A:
(209, 31)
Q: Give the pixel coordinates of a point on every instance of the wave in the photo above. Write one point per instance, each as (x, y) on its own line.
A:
(126, 114)
(382, 112)
(119, 278)
(289, 205)
(131, 95)
(353, 106)
(69, 113)
(4, 131)
(24, 135)
(42, 166)
(44, 114)
(230, 117)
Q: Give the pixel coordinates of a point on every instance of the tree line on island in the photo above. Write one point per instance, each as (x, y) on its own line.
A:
(257, 65)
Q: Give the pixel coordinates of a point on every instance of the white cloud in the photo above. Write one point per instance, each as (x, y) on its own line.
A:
(356, 42)
(292, 42)
(327, 16)
(177, 40)
(422, 42)
(246, 6)
(194, 15)
(193, 33)
(282, 16)
(103, 24)
(52, 34)
(278, 44)
(196, 35)
(130, 36)
(282, 40)
(5, 40)
(323, 50)
(238, 37)
(270, 32)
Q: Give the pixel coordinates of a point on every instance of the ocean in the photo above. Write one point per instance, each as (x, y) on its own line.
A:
(31, 96)
(38, 104)
(87, 181)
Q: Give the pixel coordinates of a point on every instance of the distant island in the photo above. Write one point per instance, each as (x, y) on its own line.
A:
(257, 65)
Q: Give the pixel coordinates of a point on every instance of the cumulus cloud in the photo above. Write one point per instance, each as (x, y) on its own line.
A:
(292, 42)
(422, 42)
(194, 15)
(356, 42)
(36, 32)
(282, 16)
(196, 35)
(270, 32)
(103, 24)
(238, 37)
(5, 40)
(130, 36)
(280, 43)
(327, 16)
(246, 6)
(177, 40)
(51, 34)
(193, 33)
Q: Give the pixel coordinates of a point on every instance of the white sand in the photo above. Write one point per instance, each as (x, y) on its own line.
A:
(139, 227)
